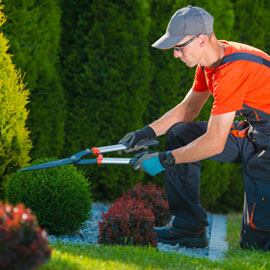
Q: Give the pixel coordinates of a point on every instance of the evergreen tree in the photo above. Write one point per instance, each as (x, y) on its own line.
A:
(106, 75)
(171, 78)
(14, 137)
(265, 23)
(33, 29)
(249, 31)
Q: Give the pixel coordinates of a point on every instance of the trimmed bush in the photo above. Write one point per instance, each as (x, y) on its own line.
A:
(14, 137)
(59, 197)
(23, 244)
(153, 198)
(127, 222)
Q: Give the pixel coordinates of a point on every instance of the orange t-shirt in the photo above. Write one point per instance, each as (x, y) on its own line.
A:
(236, 83)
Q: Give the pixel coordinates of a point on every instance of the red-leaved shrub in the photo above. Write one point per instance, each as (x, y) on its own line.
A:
(127, 222)
(154, 198)
(23, 244)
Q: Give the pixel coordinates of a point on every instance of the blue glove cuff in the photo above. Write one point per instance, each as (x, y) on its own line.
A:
(153, 165)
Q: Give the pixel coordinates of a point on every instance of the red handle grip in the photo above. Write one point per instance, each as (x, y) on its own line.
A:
(98, 154)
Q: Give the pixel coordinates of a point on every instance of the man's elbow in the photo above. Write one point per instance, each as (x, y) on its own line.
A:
(216, 144)
(219, 147)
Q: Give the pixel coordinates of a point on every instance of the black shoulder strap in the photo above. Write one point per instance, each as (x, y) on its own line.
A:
(244, 56)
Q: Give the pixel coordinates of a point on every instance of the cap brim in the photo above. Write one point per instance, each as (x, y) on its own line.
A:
(167, 42)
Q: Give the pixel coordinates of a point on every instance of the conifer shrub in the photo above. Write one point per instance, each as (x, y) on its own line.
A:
(15, 144)
(127, 222)
(34, 30)
(105, 89)
(153, 198)
(23, 244)
(59, 196)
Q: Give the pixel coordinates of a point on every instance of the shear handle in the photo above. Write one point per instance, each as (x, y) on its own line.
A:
(143, 144)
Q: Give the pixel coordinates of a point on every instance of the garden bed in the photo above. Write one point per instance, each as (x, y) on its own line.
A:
(216, 233)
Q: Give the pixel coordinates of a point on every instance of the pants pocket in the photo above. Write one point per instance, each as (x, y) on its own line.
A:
(260, 215)
(258, 166)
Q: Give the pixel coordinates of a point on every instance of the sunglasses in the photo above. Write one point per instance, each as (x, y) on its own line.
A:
(178, 47)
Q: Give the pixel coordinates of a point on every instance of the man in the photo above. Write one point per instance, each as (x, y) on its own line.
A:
(238, 77)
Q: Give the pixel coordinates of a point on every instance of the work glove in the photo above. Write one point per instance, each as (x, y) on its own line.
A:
(154, 162)
(132, 138)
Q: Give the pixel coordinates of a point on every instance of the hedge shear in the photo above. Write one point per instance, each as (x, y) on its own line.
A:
(76, 158)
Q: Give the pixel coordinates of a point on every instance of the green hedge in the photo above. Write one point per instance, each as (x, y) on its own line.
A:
(106, 78)
(14, 136)
(171, 78)
(33, 29)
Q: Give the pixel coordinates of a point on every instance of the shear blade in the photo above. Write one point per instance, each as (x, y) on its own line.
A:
(50, 164)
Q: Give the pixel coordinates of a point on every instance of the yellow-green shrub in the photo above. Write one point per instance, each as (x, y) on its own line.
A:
(14, 136)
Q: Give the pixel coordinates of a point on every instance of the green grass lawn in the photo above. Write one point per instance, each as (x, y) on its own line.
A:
(75, 257)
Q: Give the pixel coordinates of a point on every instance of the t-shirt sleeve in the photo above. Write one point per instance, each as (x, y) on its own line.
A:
(199, 84)
(229, 90)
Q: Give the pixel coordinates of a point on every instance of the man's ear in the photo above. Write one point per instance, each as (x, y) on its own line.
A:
(203, 39)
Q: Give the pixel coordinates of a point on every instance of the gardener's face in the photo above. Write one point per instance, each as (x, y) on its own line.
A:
(188, 50)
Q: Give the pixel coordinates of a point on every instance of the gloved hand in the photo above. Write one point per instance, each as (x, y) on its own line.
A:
(154, 162)
(132, 138)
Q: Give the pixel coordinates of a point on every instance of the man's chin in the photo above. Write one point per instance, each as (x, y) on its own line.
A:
(190, 65)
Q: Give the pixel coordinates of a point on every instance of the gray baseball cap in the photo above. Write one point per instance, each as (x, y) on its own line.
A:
(185, 22)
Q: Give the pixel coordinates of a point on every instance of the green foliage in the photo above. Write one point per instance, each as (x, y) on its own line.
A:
(171, 79)
(106, 77)
(33, 29)
(232, 199)
(14, 136)
(265, 22)
(247, 32)
(168, 84)
(59, 197)
(221, 186)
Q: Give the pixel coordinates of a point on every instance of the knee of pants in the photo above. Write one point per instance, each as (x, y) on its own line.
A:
(180, 135)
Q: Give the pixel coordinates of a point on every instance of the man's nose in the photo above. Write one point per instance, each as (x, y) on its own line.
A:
(177, 53)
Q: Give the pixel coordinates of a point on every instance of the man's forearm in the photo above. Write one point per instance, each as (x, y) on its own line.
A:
(202, 148)
(209, 144)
